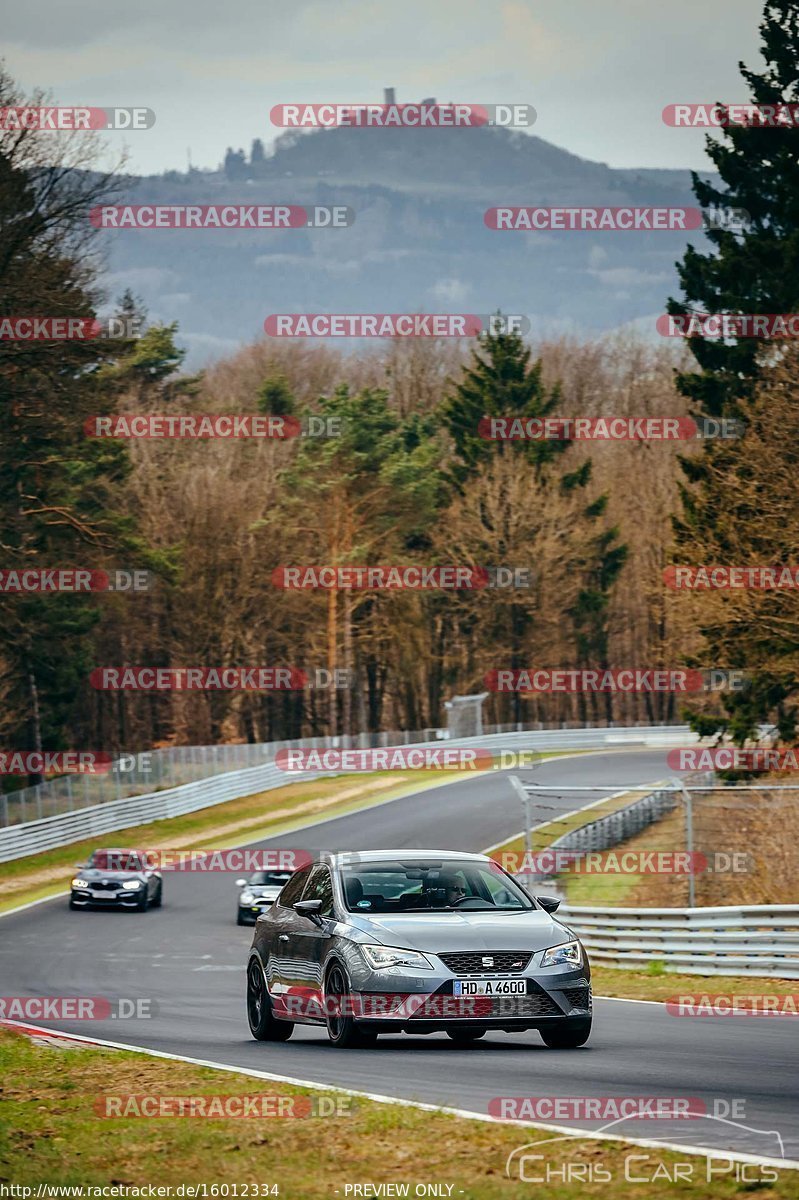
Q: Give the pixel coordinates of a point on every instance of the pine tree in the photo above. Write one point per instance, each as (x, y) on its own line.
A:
(500, 382)
(56, 484)
(755, 270)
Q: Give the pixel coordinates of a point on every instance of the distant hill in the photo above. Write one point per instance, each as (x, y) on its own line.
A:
(418, 242)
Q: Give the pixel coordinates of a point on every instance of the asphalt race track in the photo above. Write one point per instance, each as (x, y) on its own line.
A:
(189, 956)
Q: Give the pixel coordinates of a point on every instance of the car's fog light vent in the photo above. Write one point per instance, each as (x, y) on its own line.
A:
(578, 997)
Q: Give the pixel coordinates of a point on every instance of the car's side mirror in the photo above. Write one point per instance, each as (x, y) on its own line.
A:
(80, 866)
(548, 903)
(240, 882)
(309, 909)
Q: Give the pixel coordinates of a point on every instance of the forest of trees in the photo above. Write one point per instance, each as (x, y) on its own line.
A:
(407, 480)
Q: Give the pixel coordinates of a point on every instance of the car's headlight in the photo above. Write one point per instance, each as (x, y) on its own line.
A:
(380, 957)
(568, 952)
(79, 883)
(130, 885)
(246, 897)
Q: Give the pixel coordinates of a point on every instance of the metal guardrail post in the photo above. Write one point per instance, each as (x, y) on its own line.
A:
(525, 799)
(689, 839)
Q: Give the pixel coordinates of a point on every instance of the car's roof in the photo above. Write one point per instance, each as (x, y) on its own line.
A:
(347, 858)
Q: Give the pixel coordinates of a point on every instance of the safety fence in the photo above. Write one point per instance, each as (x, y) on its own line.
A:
(729, 940)
(30, 837)
(169, 767)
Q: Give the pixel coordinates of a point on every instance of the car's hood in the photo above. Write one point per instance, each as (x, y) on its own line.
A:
(99, 873)
(443, 932)
(264, 890)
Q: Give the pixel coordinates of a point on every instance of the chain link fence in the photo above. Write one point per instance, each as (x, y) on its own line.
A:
(694, 841)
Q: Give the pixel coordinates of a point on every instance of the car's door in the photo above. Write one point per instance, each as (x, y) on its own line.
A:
(301, 964)
(274, 932)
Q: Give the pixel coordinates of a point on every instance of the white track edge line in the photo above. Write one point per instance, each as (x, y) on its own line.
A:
(650, 1143)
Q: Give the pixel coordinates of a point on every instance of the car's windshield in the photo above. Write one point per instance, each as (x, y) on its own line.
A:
(426, 886)
(269, 878)
(116, 860)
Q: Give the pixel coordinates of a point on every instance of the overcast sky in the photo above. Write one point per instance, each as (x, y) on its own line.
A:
(598, 72)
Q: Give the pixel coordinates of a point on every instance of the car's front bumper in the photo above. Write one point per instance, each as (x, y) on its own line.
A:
(429, 1011)
(250, 913)
(395, 999)
(122, 898)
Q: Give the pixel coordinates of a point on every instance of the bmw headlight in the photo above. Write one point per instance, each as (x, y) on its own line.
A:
(247, 897)
(569, 953)
(130, 885)
(380, 957)
(79, 883)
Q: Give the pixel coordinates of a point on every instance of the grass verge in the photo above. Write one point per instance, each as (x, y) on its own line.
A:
(51, 1134)
(659, 985)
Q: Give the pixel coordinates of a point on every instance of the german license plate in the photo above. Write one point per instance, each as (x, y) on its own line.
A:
(489, 987)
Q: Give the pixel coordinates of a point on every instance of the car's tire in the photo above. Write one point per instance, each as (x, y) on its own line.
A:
(239, 919)
(159, 895)
(567, 1035)
(144, 902)
(75, 907)
(342, 1029)
(464, 1037)
(264, 1027)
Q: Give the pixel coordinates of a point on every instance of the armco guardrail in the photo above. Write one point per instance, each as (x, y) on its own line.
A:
(729, 940)
(32, 837)
(171, 766)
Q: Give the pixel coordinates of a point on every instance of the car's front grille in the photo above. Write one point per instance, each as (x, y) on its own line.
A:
(578, 997)
(534, 1004)
(494, 962)
(105, 885)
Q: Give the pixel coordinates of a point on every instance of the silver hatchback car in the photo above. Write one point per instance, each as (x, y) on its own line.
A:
(415, 941)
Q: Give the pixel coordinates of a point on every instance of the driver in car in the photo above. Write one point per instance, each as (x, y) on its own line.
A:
(448, 890)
